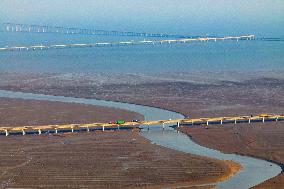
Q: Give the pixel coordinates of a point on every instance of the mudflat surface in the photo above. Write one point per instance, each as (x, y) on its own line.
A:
(118, 159)
(109, 159)
(17, 112)
(246, 95)
(211, 97)
(260, 140)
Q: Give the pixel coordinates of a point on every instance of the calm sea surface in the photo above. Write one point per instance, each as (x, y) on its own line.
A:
(247, 56)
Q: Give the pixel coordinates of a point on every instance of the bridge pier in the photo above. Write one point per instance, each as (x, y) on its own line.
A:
(24, 132)
(72, 129)
(39, 132)
(103, 128)
(207, 123)
(163, 126)
(276, 119)
(148, 127)
(235, 121)
(88, 129)
(221, 121)
(178, 124)
(118, 127)
(249, 120)
(263, 120)
(56, 131)
(7, 28)
(7, 132)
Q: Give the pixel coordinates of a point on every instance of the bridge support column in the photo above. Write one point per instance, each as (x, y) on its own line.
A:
(207, 123)
(192, 122)
(24, 132)
(117, 127)
(39, 132)
(56, 131)
(163, 126)
(148, 127)
(263, 120)
(88, 129)
(221, 121)
(178, 124)
(103, 128)
(249, 120)
(7, 132)
(235, 121)
(276, 119)
(72, 129)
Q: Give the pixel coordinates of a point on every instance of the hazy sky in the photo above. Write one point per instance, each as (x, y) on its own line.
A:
(262, 17)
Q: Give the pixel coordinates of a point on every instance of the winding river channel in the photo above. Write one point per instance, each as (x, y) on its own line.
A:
(254, 170)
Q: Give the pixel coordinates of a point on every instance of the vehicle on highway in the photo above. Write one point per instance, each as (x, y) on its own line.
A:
(120, 122)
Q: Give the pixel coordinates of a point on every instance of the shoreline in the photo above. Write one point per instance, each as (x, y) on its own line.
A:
(234, 167)
(240, 154)
(140, 104)
(274, 182)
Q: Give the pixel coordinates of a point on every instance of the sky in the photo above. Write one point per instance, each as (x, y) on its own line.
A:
(193, 17)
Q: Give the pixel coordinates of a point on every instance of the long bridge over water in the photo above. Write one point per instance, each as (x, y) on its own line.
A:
(102, 126)
(28, 28)
(169, 38)
(123, 43)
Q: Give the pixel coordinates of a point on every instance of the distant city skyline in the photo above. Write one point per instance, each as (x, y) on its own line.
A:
(260, 17)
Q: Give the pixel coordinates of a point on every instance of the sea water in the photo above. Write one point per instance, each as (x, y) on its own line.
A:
(220, 56)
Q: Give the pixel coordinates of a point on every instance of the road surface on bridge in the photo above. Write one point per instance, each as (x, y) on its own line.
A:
(102, 126)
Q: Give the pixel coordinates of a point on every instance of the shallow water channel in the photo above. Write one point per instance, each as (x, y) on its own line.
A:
(254, 170)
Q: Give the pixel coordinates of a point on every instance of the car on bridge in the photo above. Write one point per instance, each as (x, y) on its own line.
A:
(136, 120)
(121, 121)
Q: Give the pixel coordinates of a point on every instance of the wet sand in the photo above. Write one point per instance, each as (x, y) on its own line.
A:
(193, 99)
(110, 159)
(16, 112)
(101, 160)
(265, 141)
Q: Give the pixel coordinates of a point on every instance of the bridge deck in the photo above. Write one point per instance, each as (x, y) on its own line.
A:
(123, 43)
(103, 126)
